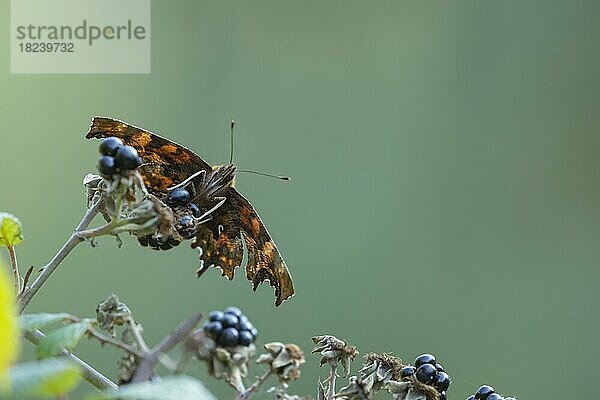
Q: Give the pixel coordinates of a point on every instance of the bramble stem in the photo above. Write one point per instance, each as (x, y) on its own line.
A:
(248, 393)
(15, 268)
(149, 361)
(112, 341)
(69, 245)
(137, 336)
(331, 382)
(88, 373)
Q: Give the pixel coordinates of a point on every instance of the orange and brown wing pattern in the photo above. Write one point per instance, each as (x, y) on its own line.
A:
(165, 163)
(221, 243)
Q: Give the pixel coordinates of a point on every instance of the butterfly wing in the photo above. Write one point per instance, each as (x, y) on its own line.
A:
(221, 242)
(165, 163)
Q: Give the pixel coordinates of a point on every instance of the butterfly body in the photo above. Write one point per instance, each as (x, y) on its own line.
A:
(218, 217)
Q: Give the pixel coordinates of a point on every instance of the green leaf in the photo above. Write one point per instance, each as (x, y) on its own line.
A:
(29, 322)
(66, 337)
(11, 230)
(47, 378)
(170, 388)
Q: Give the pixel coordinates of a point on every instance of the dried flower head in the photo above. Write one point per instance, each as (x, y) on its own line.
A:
(376, 372)
(284, 360)
(229, 363)
(128, 207)
(112, 312)
(334, 351)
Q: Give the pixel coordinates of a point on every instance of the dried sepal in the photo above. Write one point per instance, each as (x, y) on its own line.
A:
(385, 366)
(334, 351)
(411, 389)
(284, 360)
(354, 390)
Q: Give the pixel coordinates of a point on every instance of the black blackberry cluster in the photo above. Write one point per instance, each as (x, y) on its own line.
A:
(116, 158)
(486, 392)
(180, 198)
(158, 243)
(230, 328)
(186, 212)
(428, 371)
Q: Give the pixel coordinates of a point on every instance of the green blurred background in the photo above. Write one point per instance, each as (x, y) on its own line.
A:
(445, 167)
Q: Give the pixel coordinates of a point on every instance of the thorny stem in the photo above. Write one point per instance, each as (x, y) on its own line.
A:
(69, 245)
(88, 373)
(117, 343)
(15, 268)
(148, 363)
(137, 335)
(248, 393)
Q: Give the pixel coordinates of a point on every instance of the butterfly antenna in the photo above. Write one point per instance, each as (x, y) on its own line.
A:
(283, 178)
(231, 148)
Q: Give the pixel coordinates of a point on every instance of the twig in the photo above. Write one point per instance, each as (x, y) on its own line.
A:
(247, 394)
(69, 245)
(137, 335)
(148, 363)
(331, 382)
(88, 373)
(15, 268)
(112, 341)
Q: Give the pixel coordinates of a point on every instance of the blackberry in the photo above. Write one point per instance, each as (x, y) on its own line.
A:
(173, 242)
(234, 311)
(213, 329)
(229, 337)
(483, 392)
(254, 332)
(472, 397)
(230, 320)
(424, 359)
(245, 338)
(107, 167)
(439, 367)
(153, 243)
(216, 315)
(426, 374)
(244, 324)
(187, 227)
(127, 158)
(494, 396)
(165, 245)
(178, 196)
(110, 145)
(443, 396)
(143, 240)
(407, 371)
(442, 381)
(195, 210)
